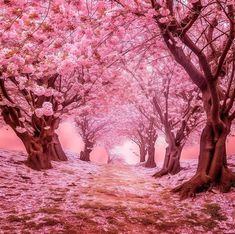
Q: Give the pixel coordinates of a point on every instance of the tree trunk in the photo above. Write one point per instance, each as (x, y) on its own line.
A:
(171, 163)
(85, 155)
(143, 152)
(37, 159)
(42, 149)
(212, 168)
(43, 146)
(55, 149)
(151, 156)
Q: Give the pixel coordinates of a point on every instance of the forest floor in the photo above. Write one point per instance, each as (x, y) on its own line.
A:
(84, 198)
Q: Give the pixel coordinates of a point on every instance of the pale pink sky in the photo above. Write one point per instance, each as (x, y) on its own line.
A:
(72, 141)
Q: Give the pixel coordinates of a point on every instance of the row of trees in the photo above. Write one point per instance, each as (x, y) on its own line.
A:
(49, 69)
(199, 35)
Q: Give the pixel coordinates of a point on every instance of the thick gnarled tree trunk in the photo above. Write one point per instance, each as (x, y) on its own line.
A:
(42, 149)
(37, 159)
(43, 145)
(212, 167)
(171, 163)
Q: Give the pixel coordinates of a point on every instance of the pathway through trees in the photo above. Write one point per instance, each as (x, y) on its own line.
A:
(80, 197)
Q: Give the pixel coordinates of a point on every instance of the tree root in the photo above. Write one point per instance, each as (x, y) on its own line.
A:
(197, 183)
(150, 164)
(160, 173)
(165, 171)
(38, 161)
(227, 180)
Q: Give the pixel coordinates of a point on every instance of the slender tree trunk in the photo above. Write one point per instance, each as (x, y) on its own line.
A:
(85, 155)
(212, 167)
(143, 152)
(171, 163)
(150, 163)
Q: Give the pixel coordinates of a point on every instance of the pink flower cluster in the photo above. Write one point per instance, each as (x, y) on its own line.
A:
(46, 110)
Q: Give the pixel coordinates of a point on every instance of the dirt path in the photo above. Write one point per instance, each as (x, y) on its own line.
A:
(82, 198)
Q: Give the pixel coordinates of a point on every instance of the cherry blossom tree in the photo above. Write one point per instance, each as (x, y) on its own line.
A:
(139, 136)
(156, 89)
(139, 128)
(91, 129)
(49, 64)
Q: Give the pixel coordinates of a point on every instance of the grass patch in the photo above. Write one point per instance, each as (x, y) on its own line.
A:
(211, 209)
(50, 222)
(56, 199)
(146, 221)
(148, 216)
(16, 218)
(96, 206)
(59, 190)
(25, 220)
(155, 221)
(155, 203)
(113, 230)
(84, 216)
(50, 210)
(214, 210)
(194, 220)
(120, 209)
(114, 221)
(67, 171)
(207, 224)
(165, 194)
(45, 222)
(13, 218)
(148, 211)
(68, 229)
(170, 227)
(109, 193)
(31, 224)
